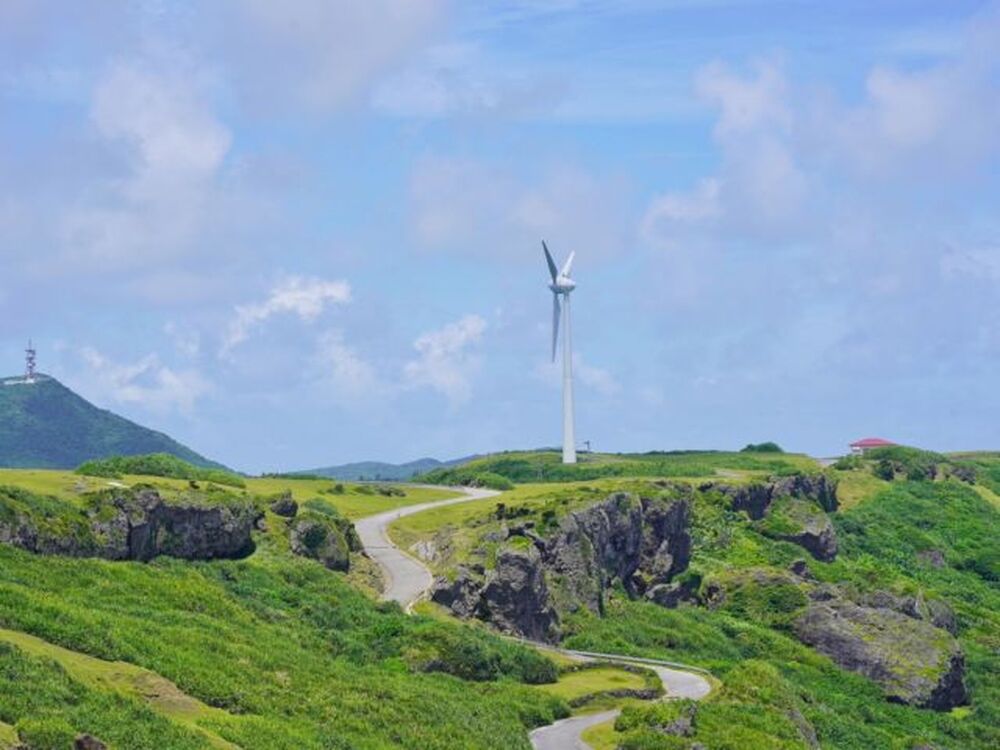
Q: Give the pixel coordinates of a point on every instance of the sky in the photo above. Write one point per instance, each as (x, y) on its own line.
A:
(303, 233)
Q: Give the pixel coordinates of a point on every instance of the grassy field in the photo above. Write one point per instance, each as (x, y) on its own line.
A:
(596, 680)
(356, 501)
(546, 466)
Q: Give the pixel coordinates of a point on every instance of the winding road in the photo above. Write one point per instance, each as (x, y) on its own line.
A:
(408, 580)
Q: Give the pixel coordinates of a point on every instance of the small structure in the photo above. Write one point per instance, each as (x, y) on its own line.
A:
(860, 447)
(29, 363)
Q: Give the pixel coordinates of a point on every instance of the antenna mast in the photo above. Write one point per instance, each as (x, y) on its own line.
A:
(29, 363)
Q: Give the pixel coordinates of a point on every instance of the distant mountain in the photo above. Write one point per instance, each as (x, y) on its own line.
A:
(45, 425)
(375, 470)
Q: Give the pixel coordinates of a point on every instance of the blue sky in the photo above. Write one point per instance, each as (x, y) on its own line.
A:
(302, 233)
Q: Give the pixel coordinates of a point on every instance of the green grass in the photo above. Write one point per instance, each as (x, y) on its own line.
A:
(584, 682)
(547, 466)
(357, 500)
(161, 695)
(272, 651)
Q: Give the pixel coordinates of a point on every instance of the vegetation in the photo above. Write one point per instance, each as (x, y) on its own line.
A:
(46, 425)
(272, 651)
(157, 465)
(774, 690)
(547, 466)
(768, 447)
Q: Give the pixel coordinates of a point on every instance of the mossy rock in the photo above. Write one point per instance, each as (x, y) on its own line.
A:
(321, 538)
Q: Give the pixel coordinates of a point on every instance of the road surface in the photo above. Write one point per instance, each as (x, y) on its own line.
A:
(408, 579)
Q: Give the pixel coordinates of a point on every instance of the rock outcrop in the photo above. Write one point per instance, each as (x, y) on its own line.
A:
(285, 506)
(516, 598)
(803, 523)
(131, 525)
(638, 542)
(915, 662)
(791, 509)
(328, 539)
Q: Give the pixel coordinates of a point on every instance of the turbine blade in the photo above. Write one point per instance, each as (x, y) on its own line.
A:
(548, 259)
(555, 323)
(568, 267)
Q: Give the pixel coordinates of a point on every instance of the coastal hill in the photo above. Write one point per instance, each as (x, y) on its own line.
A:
(45, 425)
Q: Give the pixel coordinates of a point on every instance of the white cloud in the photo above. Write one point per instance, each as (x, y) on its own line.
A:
(350, 376)
(147, 382)
(446, 360)
(157, 114)
(305, 297)
(317, 53)
(455, 79)
(187, 341)
(473, 207)
(745, 103)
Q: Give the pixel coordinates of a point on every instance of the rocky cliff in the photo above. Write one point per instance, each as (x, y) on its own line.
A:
(639, 542)
(792, 509)
(127, 525)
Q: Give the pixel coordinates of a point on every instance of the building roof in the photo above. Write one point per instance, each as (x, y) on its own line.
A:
(871, 443)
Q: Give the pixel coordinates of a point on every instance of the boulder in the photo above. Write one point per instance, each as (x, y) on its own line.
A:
(460, 595)
(320, 538)
(285, 506)
(803, 523)
(88, 742)
(915, 662)
(935, 611)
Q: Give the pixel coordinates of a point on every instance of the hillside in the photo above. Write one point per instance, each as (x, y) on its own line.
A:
(254, 627)
(378, 470)
(855, 607)
(46, 425)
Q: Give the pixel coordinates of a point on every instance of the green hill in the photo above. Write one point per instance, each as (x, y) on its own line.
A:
(46, 425)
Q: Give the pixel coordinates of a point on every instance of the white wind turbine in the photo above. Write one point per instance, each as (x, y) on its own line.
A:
(561, 286)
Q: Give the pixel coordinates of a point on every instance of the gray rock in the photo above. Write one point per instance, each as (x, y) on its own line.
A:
(914, 662)
(801, 569)
(320, 538)
(935, 611)
(515, 597)
(460, 595)
(803, 523)
(88, 742)
(285, 506)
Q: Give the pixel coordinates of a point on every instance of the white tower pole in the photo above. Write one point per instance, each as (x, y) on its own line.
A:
(569, 432)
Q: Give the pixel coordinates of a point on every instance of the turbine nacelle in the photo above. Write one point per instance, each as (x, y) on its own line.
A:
(562, 285)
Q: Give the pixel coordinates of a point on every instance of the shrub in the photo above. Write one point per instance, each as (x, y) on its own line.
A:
(45, 734)
(156, 465)
(885, 469)
(768, 447)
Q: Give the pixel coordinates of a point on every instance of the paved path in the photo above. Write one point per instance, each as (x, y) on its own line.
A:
(408, 580)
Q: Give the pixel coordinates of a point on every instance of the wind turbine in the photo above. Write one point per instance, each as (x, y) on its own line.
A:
(561, 286)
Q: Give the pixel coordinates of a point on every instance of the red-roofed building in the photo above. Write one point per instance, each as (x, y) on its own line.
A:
(866, 444)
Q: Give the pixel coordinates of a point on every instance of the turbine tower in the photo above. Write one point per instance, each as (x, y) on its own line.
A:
(561, 286)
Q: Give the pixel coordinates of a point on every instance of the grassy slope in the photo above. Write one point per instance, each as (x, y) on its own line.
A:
(284, 653)
(47, 425)
(768, 676)
(356, 502)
